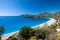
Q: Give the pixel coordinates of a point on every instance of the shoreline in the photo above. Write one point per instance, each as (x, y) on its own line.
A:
(6, 36)
(50, 22)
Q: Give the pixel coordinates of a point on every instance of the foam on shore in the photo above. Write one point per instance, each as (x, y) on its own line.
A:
(50, 22)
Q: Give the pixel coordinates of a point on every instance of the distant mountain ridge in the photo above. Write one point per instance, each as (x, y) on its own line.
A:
(44, 14)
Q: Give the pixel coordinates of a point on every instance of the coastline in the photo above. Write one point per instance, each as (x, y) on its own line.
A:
(50, 22)
(6, 36)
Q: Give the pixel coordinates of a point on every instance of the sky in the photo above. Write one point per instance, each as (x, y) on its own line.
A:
(19, 7)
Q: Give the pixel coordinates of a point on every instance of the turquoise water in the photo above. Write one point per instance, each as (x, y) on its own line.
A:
(14, 23)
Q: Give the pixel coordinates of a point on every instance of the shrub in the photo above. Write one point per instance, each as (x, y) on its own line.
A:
(21, 38)
(12, 38)
(33, 38)
(26, 32)
(58, 36)
(1, 31)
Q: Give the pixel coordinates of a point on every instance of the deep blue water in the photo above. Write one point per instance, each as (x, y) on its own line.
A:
(14, 23)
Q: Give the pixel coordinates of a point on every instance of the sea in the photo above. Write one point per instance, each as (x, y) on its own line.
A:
(15, 23)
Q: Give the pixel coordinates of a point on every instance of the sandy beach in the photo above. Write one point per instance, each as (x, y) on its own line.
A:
(6, 36)
(50, 22)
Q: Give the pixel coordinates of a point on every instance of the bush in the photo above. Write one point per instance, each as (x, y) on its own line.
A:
(1, 31)
(58, 36)
(21, 38)
(33, 38)
(26, 32)
(43, 32)
(51, 36)
(12, 38)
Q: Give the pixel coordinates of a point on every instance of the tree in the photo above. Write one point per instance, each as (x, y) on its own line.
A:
(1, 31)
(26, 32)
(44, 31)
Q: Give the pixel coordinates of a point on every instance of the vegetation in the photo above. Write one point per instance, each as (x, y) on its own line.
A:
(1, 31)
(12, 38)
(33, 38)
(26, 32)
(31, 16)
(45, 33)
(50, 15)
(58, 36)
(44, 14)
(21, 38)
